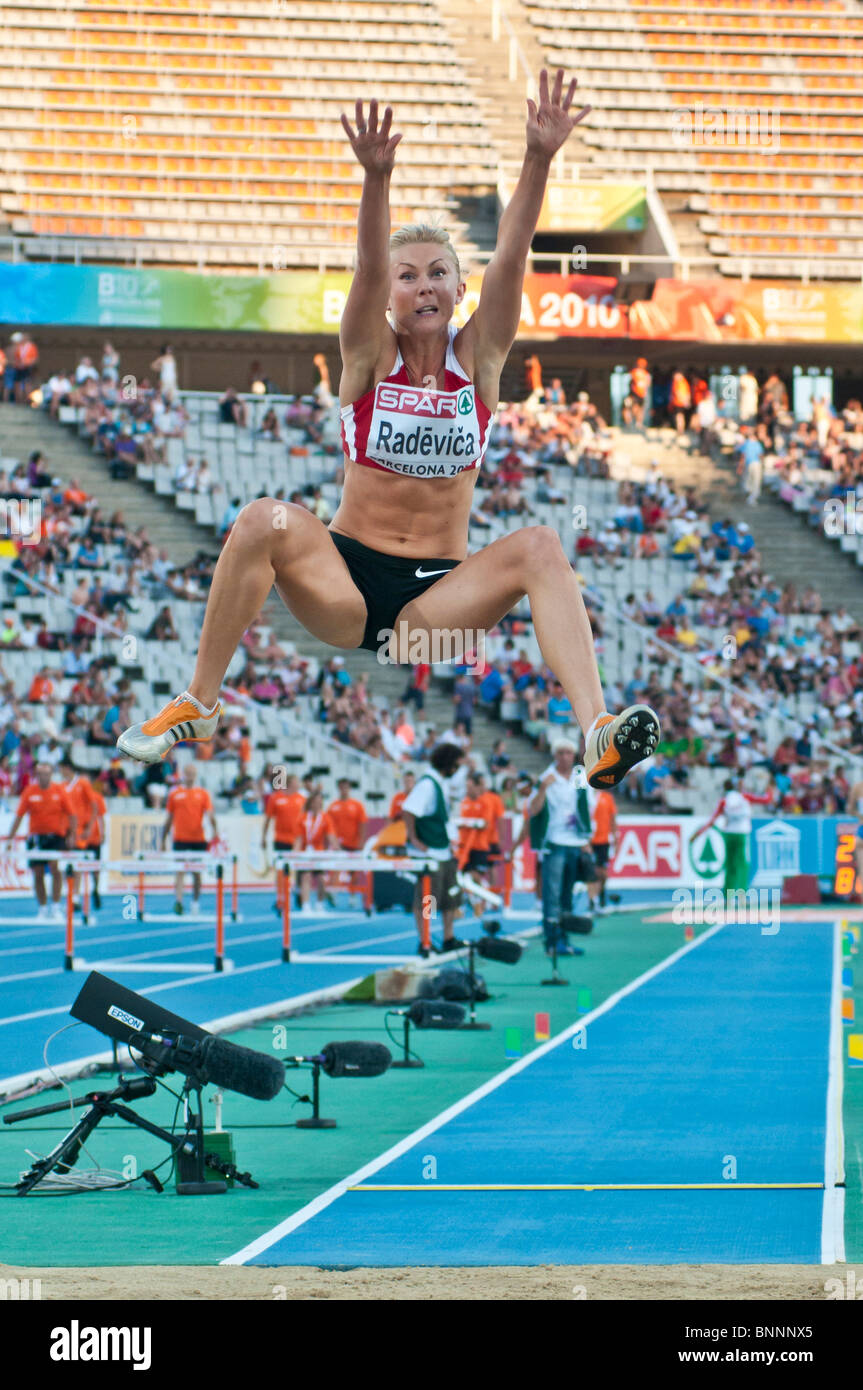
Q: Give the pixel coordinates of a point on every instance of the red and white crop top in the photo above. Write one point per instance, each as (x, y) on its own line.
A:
(401, 428)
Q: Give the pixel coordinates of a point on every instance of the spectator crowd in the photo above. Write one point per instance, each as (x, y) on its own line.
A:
(727, 620)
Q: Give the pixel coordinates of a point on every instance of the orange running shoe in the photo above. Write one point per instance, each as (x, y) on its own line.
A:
(617, 743)
(182, 720)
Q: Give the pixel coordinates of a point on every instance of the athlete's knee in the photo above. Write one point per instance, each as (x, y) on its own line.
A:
(541, 545)
(255, 521)
(266, 519)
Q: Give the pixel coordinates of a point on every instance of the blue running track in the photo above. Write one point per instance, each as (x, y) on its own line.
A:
(148, 956)
(716, 1068)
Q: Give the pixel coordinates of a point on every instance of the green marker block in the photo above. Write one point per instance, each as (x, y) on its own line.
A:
(512, 1042)
(583, 1001)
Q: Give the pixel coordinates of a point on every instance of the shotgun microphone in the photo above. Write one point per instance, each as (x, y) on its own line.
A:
(499, 948)
(216, 1062)
(349, 1059)
(435, 1013)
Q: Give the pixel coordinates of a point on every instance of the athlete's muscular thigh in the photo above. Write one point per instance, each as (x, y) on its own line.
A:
(313, 580)
(480, 591)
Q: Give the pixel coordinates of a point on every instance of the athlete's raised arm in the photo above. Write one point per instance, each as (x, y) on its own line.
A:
(364, 325)
(496, 320)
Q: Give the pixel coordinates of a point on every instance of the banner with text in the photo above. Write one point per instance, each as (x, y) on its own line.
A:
(582, 206)
(552, 306)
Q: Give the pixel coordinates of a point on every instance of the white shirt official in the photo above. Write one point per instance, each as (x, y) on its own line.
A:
(422, 801)
(560, 799)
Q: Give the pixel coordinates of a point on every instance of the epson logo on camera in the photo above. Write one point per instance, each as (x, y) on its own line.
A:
(129, 1019)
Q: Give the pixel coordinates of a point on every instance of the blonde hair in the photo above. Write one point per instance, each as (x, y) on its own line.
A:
(424, 233)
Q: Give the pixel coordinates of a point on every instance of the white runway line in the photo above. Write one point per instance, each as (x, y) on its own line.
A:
(833, 1209)
(325, 1199)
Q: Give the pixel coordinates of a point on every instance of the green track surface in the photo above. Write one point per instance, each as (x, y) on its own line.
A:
(142, 1227)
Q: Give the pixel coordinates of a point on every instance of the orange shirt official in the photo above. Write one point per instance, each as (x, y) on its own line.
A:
(99, 809)
(286, 810)
(472, 836)
(316, 830)
(603, 818)
(49, 809)
(348, 816)
(83, 800)
(494, 810)
(396, 804)
(186, 806)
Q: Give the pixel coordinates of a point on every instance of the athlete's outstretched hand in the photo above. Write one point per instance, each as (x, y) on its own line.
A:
(375, 149)
(549, 124)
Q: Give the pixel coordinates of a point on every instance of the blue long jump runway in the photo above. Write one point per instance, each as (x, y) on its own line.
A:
(718, 1067)
(36, 991)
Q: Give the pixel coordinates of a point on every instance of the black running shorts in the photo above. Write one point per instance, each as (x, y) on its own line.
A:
(387, 583)
(197, 845)
(49, 842)
(478, 859)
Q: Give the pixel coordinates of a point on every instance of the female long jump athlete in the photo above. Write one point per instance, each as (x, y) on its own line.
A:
(417, 401)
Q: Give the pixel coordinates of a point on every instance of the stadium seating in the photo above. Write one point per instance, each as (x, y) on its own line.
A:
(745, 104)
(180, 127)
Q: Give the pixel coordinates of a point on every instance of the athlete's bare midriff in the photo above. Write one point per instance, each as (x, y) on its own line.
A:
(419, 518)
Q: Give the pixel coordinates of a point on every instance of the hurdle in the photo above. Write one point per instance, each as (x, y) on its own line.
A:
(353, 861)
(312, 862)
(72, 863)
(192, 863)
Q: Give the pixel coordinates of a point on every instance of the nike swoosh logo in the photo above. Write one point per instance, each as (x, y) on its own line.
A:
(427, 574)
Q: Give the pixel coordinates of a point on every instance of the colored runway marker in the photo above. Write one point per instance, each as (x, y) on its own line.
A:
(855, 1049)
(846, 946)
(847, 978)
(512, 1042)
(847, 1010)
(689, 932)
(541, 1028)
(583, 1001)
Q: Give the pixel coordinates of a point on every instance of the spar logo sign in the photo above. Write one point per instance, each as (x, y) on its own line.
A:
(650, 850)
(465, 403)
(707, 854)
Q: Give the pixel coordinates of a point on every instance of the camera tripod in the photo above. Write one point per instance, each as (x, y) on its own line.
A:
(108, 1103)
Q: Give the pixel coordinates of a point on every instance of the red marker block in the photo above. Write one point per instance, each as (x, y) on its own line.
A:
(541, 1028)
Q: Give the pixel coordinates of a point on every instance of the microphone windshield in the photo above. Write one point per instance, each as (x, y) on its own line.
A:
(355, 1059)
(576, 922)
(435, 1013)
(236, 1068)
(499, 948)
